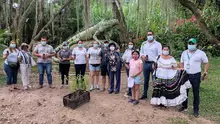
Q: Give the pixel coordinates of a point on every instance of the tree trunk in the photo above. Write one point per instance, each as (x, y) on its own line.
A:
(192, 7)
(87, 13)
(120, 16)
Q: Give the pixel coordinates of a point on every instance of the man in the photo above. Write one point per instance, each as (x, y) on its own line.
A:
(104, 71)
(150, 49)
(191, 60)
(44, 52)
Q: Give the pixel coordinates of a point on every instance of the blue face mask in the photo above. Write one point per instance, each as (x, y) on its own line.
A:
(105, 45)
(191, 47)
(95, 45)
(130, 46)
(150, 38)
(65, 47)
(12, 45)
(166, 53)
(43, 43)
(80, 45)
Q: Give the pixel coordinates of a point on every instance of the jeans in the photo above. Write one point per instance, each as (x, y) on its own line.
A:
(116, 74)
(64, 71)
(195, 80)
(147, 70)
(12, 73)
(41, 68)
(80, 72)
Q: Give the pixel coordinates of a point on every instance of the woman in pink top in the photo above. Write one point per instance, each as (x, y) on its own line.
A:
(135, 66)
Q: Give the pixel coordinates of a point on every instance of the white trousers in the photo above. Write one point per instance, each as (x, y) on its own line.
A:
(25, 74)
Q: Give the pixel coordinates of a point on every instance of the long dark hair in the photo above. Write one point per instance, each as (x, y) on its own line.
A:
(165, 45)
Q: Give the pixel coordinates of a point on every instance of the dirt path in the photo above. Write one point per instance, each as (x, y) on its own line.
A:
(45, 106)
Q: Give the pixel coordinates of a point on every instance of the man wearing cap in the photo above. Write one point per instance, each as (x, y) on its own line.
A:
(149, 51)
(44, 52)
(191, 60)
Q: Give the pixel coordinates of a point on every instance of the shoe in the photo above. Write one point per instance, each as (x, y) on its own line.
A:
(143, 98)
(51, 86)
(40, 86)
(29, 86)
(196, 114)
(131, 100)
(91, 88)
(116, 92)
(61, 86)
(97, 87)
(126, 95)
(103, 90)
(135, 102)
(25, 88)
(182, 109)
(110, 92)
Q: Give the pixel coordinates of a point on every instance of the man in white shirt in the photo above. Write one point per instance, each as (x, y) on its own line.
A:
(150, 49)
(191, 60)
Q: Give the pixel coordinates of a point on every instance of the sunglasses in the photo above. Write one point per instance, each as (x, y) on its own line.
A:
(191, 43)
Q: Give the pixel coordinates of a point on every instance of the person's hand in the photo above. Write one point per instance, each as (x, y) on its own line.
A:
(204, 75)
(127, 66)
(181, 69)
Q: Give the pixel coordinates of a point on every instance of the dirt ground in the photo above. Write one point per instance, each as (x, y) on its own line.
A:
(45, 106)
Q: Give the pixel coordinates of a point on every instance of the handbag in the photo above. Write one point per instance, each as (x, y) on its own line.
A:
(33, 63)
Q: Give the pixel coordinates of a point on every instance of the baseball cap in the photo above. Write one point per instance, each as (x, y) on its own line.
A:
(192, 40)
(65, 43)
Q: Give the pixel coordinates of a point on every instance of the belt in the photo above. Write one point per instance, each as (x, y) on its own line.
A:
(149, 61)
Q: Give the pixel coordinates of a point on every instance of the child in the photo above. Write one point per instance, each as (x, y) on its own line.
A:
(135, 66)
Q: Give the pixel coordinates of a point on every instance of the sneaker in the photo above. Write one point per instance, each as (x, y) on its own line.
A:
(143, 98)
(91, 88)
(182, 109)
(103, 90)
(126, 95)
(135, 102)
(40, 86)
(97, 87)
(25, 88)
(131, 100)
(110, 92)
(116, 92)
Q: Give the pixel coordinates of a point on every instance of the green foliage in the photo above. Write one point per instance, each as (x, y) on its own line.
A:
(73, 86)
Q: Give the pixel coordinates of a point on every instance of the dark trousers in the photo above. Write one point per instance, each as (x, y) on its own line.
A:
(147, 70)
(116, 74)
(12, 73)
(129, 89)
(195, 80)
(80, 72)
(64, 71)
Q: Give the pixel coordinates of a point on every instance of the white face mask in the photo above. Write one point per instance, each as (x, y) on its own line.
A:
(112, 48)
(130, 46)
(166, 53)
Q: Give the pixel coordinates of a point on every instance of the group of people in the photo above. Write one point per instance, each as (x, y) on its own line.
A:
(171, 82)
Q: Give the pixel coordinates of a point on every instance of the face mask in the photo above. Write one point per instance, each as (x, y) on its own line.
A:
(112, 48)
(191, 47)
(166, 53)
(95, 45)
(130, 46)
(105, 45)
(12, 45)
(150, 38)
(43, 43)
(80, 45)
(65, 47)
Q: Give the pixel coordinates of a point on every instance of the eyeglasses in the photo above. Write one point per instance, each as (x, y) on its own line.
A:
(191, 43)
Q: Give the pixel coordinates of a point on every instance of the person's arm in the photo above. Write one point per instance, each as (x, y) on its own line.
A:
(140, 70)
(5, 54)
(159, 49)
(182, 62)
(35, 52)
(143, 57)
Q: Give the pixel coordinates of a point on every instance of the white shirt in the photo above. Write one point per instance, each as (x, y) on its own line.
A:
(127, 55)
(12, 57)
(80, 55)
(165, 68)
(192, 61)
(94, 55)
(151, 49)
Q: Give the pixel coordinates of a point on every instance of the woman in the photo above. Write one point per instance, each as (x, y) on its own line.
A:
(64, 56)
(114, 68)
(25, 65)
(11, 64)
(79, 57)
(171, 84)
(127, 56)
(94, 56)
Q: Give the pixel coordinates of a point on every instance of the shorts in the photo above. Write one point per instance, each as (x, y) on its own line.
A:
(104, 70)
(137, 80)
(94, 68)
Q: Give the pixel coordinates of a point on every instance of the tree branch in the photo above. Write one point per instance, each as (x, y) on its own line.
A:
(192, 7)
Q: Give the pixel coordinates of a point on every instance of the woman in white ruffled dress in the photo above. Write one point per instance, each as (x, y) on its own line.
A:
(171, 83)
